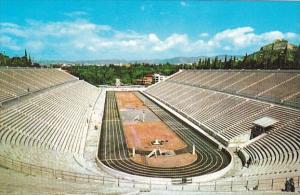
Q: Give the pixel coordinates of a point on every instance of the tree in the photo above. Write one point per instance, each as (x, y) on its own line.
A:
(297, 58)
(234, 61)
(225, 62)
(208, 63)
(230, 63)
(215, 63)
(279, 60)
(25, 54)
(285, 55)
(29, 61)
(244, 62)
(199, 62)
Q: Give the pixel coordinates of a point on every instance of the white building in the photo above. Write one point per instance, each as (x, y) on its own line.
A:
(157, 77)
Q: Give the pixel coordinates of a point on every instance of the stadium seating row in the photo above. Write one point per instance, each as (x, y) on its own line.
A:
(228, 115)
(224, 114)
(21, 81)
(274, 86)
(18, 183)
(49, 128)
(56, 119)
(278, 152)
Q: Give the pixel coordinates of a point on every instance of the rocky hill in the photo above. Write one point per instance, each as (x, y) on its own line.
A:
(279, 54)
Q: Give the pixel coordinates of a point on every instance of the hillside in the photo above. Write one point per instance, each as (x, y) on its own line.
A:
(279, 54)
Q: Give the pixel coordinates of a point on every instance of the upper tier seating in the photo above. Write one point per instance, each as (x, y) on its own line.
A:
(22, 81)
(224, 114)
(273, 86)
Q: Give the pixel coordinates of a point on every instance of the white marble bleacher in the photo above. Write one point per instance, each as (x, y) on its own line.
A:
(273, 85)
(278, 152)
(16, 82)
(230, 116)
(49, 128)
(55, 119)
(12, 182)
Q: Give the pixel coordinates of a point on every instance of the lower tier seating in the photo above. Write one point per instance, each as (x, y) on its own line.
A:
(56, 119)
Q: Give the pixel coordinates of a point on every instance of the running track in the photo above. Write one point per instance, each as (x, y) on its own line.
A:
(114, 153)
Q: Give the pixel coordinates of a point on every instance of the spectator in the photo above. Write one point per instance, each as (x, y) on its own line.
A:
(289, 185)
(292, 185)
(248, 162)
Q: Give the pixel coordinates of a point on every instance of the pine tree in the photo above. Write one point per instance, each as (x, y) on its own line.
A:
(225, 63)
(297, 58)
(25, 55)
(208, 63)
(230, 63)
(244, 63)
(215, 63)
(285, 53)
(199, 63)
(279, 61)
(25, 59)
(29, 61)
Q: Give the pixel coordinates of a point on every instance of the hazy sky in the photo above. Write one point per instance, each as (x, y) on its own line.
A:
(73, 30)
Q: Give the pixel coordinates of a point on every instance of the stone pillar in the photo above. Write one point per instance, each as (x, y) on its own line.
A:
(194, 149)
(133, 151)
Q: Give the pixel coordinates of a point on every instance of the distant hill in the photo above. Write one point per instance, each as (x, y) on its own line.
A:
(279, 54)
(175, 60)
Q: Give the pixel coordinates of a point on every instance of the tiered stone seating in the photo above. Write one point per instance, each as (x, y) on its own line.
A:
(56, 119)
(13, 182)
(282, 114)
(225, 114)
(21, 81)
(274, 86)
(247, 81)
(278, 152)
(45, 158)
(267, 83)
(285, 90)
(48, 129)
(208, 98)
(217, 107)
(218, 111)
(233, 116)
(232, 78)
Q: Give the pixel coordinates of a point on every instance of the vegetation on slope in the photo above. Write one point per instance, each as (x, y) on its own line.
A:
(277, 55)
(24, 61)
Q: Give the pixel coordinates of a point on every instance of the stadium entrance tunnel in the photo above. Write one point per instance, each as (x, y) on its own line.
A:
(118, 158)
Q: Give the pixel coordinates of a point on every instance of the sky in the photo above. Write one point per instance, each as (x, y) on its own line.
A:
(134, 30)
